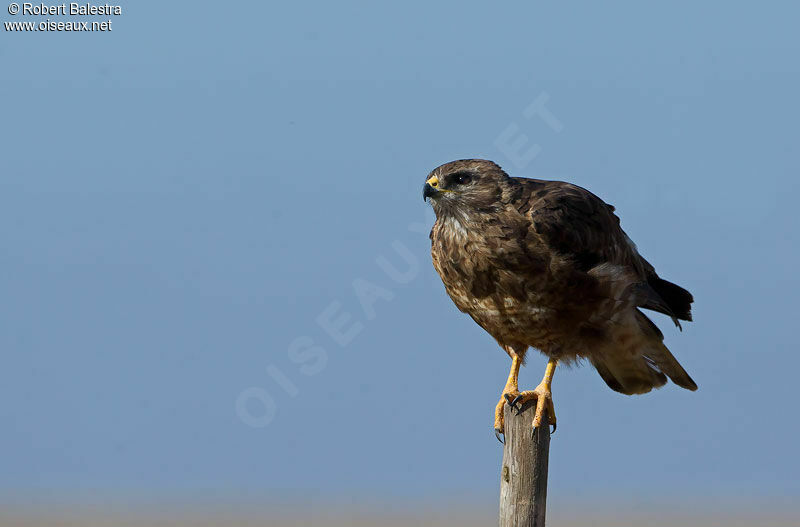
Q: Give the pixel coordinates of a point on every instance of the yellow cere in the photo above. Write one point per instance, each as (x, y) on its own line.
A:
(434, 182)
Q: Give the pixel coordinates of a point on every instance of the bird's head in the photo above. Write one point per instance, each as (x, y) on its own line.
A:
(465, 186)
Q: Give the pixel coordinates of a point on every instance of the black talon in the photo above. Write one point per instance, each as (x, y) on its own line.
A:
(508, 400)
(555, 425)
(514, 402)
(497, 435)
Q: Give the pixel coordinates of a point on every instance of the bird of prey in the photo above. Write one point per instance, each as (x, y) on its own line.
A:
(545, 264)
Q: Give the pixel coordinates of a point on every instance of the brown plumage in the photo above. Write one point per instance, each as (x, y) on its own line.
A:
(545, 264)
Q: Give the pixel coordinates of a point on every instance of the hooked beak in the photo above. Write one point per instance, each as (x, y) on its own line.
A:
(428, 191)
(431, 188)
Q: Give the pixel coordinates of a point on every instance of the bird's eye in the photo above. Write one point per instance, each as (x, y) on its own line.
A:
(460, 179)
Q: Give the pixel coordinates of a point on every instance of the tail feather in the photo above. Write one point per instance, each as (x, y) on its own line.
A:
(667, 363)
(658, 354)
(607, 376)
(643, 363)
(629, 375)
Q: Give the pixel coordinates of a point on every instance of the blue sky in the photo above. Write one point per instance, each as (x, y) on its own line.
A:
(183, 197)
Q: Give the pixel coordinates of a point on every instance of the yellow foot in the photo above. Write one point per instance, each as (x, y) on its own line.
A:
(544, 401)
(499, 420)
(516, 400)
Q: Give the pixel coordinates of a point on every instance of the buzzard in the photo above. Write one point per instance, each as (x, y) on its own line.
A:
(545, 264)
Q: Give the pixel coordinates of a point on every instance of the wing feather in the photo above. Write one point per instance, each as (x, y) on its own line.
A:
(574, 222)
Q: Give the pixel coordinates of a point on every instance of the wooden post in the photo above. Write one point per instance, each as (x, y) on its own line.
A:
(523, 478)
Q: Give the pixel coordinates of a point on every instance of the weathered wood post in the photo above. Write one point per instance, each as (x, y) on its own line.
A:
(523, 477)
